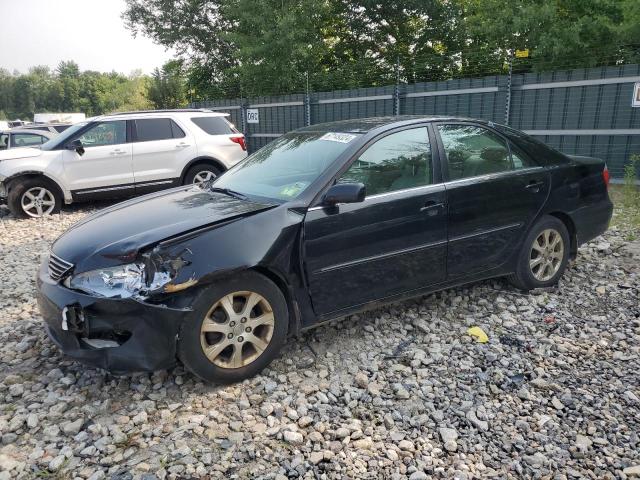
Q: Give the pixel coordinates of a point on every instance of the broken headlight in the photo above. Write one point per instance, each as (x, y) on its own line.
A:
(122, 281)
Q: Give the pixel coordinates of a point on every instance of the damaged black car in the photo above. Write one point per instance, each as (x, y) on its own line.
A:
(322, 222)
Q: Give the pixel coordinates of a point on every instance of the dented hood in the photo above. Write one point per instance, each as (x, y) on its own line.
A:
(116, 234)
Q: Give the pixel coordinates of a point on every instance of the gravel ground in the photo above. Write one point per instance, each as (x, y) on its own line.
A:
(399, 392)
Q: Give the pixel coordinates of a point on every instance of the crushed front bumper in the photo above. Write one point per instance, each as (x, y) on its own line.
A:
(140, 336)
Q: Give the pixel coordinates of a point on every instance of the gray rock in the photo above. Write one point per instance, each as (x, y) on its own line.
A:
(447, 434)
(557, 404)
(71, 428)
(56, 463)
(479, 424)
(632, 471)
(32, 420)
(295, 438)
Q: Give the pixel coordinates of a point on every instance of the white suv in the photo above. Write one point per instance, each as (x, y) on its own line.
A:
(119, 155)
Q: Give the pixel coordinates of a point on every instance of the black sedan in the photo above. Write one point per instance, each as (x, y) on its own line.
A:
(322, 222)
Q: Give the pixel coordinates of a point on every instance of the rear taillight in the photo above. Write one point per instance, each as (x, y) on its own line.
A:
(239, 141)
(605, 176)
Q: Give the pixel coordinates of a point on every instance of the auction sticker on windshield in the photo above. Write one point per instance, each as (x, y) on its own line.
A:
(338, 137)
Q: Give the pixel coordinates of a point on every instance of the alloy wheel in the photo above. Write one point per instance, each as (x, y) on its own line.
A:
(37, 202)
(203, 177)
(237, 329)
(546, 255)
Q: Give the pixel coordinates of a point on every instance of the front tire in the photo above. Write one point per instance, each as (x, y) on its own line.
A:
(238, 328)
(34, 198)
(544, 255)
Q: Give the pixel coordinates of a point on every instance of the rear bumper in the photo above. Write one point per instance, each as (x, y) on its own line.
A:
(143, 335)
(592, 220)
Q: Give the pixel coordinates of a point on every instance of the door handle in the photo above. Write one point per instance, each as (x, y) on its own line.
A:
(117, 152)
(182, 145)
(534, 186)
(432, 208)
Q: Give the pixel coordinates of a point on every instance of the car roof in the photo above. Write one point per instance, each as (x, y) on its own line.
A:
(364, 125)
(45, 133)
(160, 113)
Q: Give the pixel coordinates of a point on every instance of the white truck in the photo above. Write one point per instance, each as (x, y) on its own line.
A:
(59, 117)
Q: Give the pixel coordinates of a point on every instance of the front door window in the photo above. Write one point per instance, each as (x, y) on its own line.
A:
(398, 161)
(105, 133)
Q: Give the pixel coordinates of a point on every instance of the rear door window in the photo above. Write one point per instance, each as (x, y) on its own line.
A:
(4, 141)
(214, 125)
(473, 151)
(150, 129)
(177, 131)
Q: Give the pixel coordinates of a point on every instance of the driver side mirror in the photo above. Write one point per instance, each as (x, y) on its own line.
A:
(344, 193)
(77, 146)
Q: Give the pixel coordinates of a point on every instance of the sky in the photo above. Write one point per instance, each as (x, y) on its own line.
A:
(90, 32)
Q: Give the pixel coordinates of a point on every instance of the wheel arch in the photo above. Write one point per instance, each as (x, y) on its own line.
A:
(205, 160)
(10, 181)
(285, 288)
(571, 228)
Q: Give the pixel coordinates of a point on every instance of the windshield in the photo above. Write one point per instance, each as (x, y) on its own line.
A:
(61, 139)
(284, 168)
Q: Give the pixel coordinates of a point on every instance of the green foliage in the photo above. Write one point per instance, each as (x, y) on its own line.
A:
(67, 89)
(168, 88)
(560, 34)
(626, 199)
(246, 48)
(630, 192)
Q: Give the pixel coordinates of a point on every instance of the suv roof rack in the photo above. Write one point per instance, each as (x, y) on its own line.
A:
(169, 110)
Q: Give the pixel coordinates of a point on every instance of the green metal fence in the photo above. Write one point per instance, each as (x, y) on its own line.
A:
(583, 111)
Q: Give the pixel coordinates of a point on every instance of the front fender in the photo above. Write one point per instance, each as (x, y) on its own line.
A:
(268, 242)
(51, 168)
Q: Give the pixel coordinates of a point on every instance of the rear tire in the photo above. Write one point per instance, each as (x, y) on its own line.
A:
(237, 329)
(201, 173)
(34, 198)
(544, 255)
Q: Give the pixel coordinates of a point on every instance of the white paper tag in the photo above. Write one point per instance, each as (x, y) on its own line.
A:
(338, 137)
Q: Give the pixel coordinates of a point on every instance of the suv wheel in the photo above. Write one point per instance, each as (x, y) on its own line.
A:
(200, 174)
(34, 197)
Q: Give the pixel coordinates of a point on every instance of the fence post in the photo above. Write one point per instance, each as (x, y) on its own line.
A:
(507, 110)
(307, 103)
(243, 119)
(396, 91)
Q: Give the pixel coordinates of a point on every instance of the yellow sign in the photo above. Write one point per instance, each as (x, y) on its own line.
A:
(522, 53)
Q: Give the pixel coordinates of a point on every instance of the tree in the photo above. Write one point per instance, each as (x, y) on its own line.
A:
(167, 88)
(70, 89)
(560, 34)
(242, 47)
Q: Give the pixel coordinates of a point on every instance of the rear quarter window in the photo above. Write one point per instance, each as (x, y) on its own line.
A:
(214, 125)
(534, 148)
